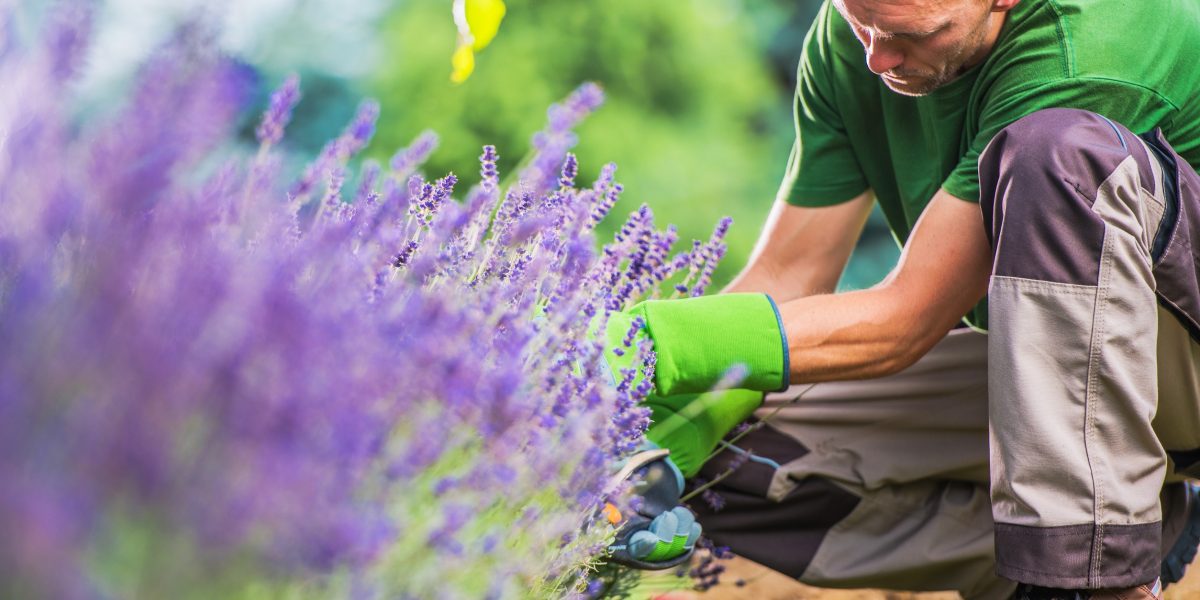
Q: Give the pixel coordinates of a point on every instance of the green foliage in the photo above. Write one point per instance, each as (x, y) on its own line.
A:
(694, 119)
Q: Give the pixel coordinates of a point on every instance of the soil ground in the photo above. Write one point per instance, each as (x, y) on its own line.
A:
(761, 583)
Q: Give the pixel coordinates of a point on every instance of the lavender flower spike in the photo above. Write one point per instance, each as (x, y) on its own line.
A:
(279, 112)
(487, 168)
(68, 36)
(360, 130)
(585, 99)
(404, 161)
(569, 171)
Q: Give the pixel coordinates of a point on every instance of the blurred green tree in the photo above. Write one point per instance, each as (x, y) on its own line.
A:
(698, 116)
(694, 119)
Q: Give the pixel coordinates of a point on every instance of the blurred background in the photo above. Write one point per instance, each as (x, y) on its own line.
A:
(698, 115)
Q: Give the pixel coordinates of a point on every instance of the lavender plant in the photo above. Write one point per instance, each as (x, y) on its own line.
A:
(217, 382)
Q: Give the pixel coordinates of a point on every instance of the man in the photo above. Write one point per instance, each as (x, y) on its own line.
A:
(998, 138)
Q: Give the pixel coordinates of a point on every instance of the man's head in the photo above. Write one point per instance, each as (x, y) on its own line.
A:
(917, 46)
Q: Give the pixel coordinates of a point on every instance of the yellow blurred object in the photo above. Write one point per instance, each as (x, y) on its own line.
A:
(477, 22)
(483, 18)
(463, 63)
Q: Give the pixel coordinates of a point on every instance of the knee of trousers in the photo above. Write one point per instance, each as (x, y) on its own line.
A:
(1039, 179)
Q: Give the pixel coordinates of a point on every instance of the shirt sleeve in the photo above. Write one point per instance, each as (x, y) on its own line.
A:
(1136, 107)
(822, 169)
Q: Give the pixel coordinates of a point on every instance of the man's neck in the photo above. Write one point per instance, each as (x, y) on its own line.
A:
(995, 26)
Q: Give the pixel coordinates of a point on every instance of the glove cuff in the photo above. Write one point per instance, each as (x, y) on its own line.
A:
(698, 340)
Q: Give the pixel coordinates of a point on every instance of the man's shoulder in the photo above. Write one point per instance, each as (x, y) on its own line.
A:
(1136, 42)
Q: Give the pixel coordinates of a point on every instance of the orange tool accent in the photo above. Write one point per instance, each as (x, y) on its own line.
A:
(612, 514)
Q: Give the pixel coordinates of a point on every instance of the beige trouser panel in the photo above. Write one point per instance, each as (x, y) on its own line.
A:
(1074, 391)
(1072, 382)
(926, 422)
(1178, 420)
(1075, 204)
(913, 448)
(919, 536)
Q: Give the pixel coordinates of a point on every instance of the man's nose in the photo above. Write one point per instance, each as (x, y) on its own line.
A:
(882, 56)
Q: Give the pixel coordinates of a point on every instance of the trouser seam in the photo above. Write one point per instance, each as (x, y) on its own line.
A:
(1055, 287)
(1015, 570)
(1098, 326)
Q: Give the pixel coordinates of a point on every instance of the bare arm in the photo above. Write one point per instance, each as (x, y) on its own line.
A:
(802, 251)
(943, 271)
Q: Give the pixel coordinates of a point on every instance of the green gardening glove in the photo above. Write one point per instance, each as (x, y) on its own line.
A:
(691, 425)
(697, 341)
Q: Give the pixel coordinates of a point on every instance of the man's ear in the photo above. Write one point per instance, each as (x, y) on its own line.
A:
(1004, 5)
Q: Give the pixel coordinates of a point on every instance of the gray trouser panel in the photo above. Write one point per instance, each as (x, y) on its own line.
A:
(1074, 204)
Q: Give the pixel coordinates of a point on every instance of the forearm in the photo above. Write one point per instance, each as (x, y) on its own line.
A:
(855, 335)
(858, 335)
(942, 272)
(802, 251)
(825, 337)
(785, 283)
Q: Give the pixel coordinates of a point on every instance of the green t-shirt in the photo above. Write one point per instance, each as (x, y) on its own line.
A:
(1136, 62)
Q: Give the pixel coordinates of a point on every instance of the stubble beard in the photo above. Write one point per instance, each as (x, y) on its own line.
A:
(922, 84)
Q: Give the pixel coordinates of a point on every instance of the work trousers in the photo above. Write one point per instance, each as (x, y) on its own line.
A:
(1039, 452)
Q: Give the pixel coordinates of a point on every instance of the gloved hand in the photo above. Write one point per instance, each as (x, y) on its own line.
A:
(691, 425)
(661, 533)
(697, 341)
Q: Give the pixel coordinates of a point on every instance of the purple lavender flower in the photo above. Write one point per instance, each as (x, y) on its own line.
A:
(491, 177)
(67, 36)
(404, 161)
(637, 325)
(279, 112)
(368, 179)
(402, 259)
(594, 587)
(605, 180)
(569, 171)
(337, 152)
(360, 130)
(454, 516)
(715, 251)
(739, 460)
(442, 190)
(707, 571)
(259, 381)
(743, 427)
(552, 143)
(714, 500)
